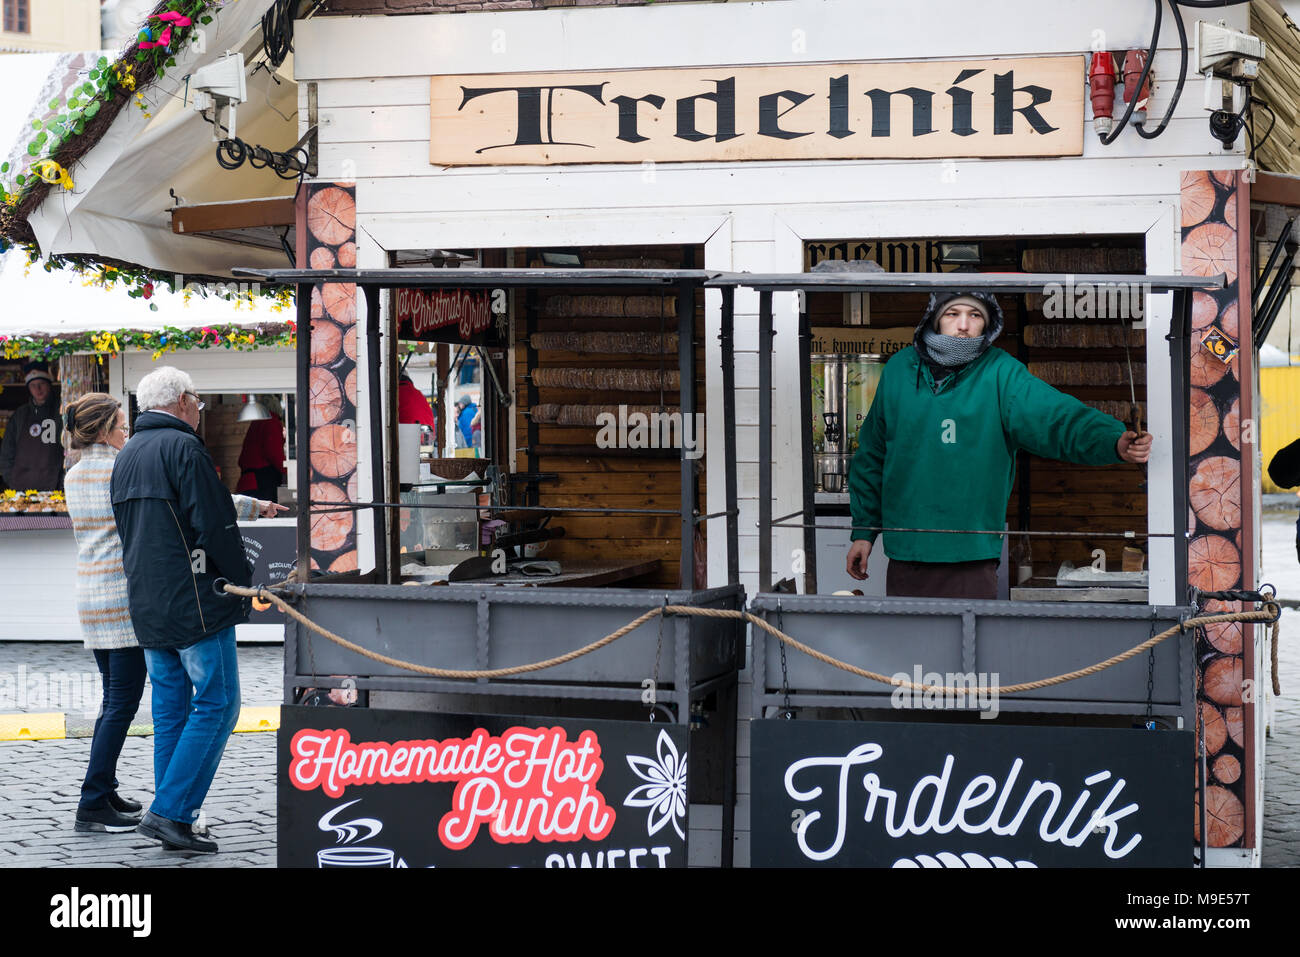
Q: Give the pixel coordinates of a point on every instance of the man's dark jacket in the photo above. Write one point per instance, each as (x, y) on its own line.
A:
(179, 535)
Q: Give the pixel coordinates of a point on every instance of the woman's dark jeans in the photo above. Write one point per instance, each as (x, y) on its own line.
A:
(124, 675)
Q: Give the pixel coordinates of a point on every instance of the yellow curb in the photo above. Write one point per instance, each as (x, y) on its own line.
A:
(32, 727)
(259, 719)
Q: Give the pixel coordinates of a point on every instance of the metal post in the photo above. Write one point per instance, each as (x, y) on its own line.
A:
(686, 401)
(376, 428)
(765, 440)
(806, 443)
(1180, 374)
(302, 423)
(729, 425)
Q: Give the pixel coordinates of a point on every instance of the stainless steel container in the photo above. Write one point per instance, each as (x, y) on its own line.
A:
(844, 387)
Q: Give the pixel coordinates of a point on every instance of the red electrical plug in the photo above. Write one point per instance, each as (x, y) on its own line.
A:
(1135, 62)
(1101, 86)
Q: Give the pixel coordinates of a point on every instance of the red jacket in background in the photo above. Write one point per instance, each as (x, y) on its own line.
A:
(263, 448)
(412, 407)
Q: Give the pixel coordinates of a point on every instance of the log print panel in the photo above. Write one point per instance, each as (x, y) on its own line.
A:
(332, 380)
(1214, 561)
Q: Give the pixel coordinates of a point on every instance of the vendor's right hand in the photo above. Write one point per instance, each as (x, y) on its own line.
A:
(856, 564)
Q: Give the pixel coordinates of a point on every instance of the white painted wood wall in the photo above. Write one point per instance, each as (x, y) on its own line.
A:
(372, 77)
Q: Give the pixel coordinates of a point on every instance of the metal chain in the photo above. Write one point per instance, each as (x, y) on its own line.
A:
(1151, 676)
(654, 678)
(785, 674)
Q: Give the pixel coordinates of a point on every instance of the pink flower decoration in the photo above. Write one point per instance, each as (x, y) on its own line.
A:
(165, 38)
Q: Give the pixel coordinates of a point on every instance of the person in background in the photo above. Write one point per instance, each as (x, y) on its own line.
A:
(412, 406)
(261, 460)
(179, 538)
(1284, 470)
(465, 412)
(31, 455)
(96, 426)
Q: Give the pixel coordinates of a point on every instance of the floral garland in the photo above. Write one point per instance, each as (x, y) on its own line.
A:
(109, 343)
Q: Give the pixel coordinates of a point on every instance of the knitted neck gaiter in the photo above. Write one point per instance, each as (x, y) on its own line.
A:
(952, 351)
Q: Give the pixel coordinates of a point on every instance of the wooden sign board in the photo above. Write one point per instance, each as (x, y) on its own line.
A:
(449, 315)
(860, 340)
(1014, 107)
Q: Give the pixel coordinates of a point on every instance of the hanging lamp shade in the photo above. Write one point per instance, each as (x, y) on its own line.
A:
(253, 411)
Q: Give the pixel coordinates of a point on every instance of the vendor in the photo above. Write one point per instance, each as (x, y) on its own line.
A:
(937, 450)
(31, 456)
(412, 406)
(261, 460)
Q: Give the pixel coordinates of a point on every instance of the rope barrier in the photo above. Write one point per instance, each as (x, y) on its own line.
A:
(263, 593)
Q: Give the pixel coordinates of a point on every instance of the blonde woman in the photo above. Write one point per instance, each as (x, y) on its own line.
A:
(96, 426)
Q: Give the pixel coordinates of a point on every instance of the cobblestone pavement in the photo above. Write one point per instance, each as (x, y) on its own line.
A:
(1282, 747)
(40, 781)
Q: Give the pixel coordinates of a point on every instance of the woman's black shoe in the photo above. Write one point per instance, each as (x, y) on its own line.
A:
(124, 805)
(105, 819)
(174, 835)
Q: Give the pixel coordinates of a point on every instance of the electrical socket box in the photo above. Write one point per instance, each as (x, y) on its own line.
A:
(1228, 53)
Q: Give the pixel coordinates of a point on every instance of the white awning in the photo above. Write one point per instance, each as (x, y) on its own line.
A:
(120, 206)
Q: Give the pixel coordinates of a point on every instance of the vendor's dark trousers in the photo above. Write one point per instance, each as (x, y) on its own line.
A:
(942, 579)
(268, 482)
(195, 707)
(123, 673)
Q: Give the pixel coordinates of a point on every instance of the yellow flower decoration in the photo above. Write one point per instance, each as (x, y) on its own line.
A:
(52, 173)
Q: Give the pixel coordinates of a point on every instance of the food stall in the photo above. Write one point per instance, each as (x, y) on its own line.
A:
(670, 140)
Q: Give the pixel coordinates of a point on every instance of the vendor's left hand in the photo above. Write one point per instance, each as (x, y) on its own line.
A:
(1134, 448)
(269, 509)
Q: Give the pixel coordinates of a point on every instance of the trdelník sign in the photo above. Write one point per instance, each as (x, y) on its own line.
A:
(910, 794)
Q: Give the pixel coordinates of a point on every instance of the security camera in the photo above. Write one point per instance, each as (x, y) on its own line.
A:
(218, 87)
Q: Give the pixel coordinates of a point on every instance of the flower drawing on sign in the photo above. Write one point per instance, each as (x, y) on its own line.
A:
(664, 792)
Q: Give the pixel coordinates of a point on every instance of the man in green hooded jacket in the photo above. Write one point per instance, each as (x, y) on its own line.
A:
(938, 450)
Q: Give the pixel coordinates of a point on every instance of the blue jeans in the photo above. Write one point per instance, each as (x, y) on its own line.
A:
(195, 707)
(123, 673)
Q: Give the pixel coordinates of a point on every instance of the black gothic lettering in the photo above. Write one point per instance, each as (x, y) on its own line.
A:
(921, 110)
(724, 100)
(1004, 94)
(529, 131)
(770, 113)
(961, 104)
(627, 130)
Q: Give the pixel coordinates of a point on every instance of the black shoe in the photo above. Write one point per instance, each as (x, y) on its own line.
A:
(124, 805)
(174, 835)
(105, 820)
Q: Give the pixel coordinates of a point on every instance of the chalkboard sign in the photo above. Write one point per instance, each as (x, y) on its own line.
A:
(373, 788)
(272, 550)
(861, 794)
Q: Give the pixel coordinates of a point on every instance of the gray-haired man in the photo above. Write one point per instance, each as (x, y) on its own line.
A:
(179, 532)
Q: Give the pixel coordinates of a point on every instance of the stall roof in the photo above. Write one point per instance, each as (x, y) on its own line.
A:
(1008, 282)
(438, 278)
(775, 282)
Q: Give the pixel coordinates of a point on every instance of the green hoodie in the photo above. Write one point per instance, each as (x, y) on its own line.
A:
(945, 457)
